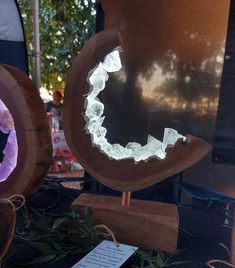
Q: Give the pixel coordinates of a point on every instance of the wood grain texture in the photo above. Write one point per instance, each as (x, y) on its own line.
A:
(22, 99)
(146, 224)
(122, 175)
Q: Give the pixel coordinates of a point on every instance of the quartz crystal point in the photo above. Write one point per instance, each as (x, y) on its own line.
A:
(98, 79)
(94, 109)
(112, 62)
(170, 137)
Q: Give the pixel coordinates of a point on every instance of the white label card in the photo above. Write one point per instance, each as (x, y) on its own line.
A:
(106, 255)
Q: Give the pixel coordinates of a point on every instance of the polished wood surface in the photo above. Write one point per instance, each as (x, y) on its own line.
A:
(32, 129)
(123, 175)
(173, 53)
(69, 174)
(186, 38)
(146, 224)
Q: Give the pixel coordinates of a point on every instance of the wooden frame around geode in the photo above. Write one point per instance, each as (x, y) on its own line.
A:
(22, 99)
(122, 175)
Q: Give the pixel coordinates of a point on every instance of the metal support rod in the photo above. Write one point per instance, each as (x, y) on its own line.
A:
(126, 199)
(37, 75)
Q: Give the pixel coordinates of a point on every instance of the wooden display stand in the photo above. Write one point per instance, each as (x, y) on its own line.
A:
(32, 130)
(145, 224)
(23, 101)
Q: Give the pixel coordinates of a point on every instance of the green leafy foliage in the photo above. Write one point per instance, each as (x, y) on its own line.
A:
(65, 25)
(54, 239)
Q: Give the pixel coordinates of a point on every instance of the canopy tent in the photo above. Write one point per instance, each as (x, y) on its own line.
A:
(12, 39)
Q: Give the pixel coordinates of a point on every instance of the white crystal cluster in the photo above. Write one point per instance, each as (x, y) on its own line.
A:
(93, 115)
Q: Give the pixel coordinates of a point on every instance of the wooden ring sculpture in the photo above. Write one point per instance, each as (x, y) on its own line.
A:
(122, 175)
(22, 99)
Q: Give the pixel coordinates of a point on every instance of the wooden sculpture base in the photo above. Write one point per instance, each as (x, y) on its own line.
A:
(146, 224)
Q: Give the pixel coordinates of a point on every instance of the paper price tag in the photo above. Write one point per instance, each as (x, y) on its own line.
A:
(106, 255)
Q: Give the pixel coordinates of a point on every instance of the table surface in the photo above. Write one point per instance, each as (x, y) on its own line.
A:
(70, 174)
(201, 233)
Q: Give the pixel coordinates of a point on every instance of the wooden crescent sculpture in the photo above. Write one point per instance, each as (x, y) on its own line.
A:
(122, 175)
(22, 99)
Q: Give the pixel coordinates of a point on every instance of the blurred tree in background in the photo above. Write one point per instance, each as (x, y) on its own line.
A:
(65, 25)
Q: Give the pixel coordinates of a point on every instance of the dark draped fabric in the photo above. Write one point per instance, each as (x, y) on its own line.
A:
(224, 137)
(14, 53)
